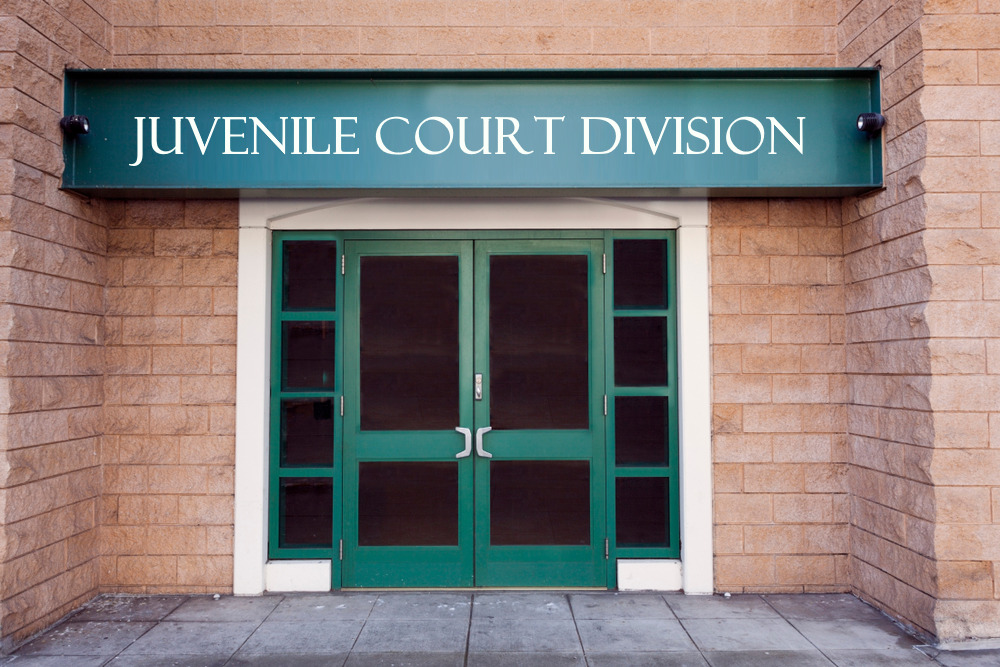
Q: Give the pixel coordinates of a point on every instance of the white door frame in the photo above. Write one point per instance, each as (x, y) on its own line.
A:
(253, 574)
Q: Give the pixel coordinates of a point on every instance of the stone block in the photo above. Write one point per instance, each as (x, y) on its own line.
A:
(178, 420)
(742, 448)
(801, 389)
(772, 359)
(146, 570)
(800, 329)
(961, 430)
(182, 301)
(799, 448)
(248, 12)
(214, 330)
(728, 539)
(726, 359)
(799, 271)
(741, 329)
(745, 570)
(760, 539)
(742, 388)
(770, 300)
(813, 570)
(772, 418)
(963, 504)
(207, 449)
(133, 450)
(737, 212)
(733, 270)
(181, 360)
(803, 508)
(204, 510)
(773, 478)
(726, 299)
(967, 542)
(214, 571)
(178, 479)
(743, 508)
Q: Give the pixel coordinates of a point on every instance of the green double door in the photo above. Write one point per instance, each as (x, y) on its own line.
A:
(474, 448)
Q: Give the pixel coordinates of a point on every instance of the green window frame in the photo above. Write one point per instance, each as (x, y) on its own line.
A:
(614, 473)
(280, 472)
(636, 472)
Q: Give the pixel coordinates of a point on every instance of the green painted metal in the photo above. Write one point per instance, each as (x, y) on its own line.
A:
(415, 566)
(552, 132)
(474, 561)
(671, 472)
(277, 471)
(542, 565)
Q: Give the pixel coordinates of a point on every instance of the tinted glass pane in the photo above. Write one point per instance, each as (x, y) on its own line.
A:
(641, 274)
(640, 351)
(641, 516)
(307, 433)
(309, 279)
(641, 430)
(308, 353)
(408, 504)
(305, 512)
(540, 502)
(539, 342)
(409, 343)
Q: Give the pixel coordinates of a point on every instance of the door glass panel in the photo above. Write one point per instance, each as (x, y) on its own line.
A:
(308, 352)
(539, 342)
(307, 432)
(641, 430)
(641, 273)
(309, 275)
(539, 502)
(409, 343)
(305, 513)
(641, 513)
(640, 351)
(408, 504)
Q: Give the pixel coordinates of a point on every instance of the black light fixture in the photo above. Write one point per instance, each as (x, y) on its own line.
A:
(871, 123)
(74, 125)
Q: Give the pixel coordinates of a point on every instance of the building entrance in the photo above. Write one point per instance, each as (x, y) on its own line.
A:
(492, 409)
(474, 440)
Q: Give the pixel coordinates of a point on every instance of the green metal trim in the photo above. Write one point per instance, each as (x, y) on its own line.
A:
(277, 472)
(542, 565)
(670, 472)
(417, 566)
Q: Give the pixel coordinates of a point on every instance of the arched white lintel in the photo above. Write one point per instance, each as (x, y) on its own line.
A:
(259, 217)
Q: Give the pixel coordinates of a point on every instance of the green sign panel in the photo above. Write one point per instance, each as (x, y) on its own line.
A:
(639, 133)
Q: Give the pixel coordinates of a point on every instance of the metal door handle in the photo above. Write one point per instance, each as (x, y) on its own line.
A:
(468, 442)
(479, 442)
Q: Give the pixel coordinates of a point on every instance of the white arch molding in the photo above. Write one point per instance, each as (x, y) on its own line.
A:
(253, 574)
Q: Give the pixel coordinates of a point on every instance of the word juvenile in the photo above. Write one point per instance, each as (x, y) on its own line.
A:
(400, 136)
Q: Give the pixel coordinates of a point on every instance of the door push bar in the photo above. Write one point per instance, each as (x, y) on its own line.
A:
(468, 442)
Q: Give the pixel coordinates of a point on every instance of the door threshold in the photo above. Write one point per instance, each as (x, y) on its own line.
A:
(475, 589)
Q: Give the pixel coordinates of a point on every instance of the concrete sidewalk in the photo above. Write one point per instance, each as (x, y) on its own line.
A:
(484, 628)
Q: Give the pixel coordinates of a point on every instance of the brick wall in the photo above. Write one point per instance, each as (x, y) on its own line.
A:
(961, 107)
(781, 507)
(170, 352)
(890, 434)
(52, 263)
(473, 33)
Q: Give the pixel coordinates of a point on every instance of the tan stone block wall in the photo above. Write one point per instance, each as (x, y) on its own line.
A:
(459, 34)
(52, 263)
(170, 393)
(889, 358)
(960, 103)
(778, 357)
